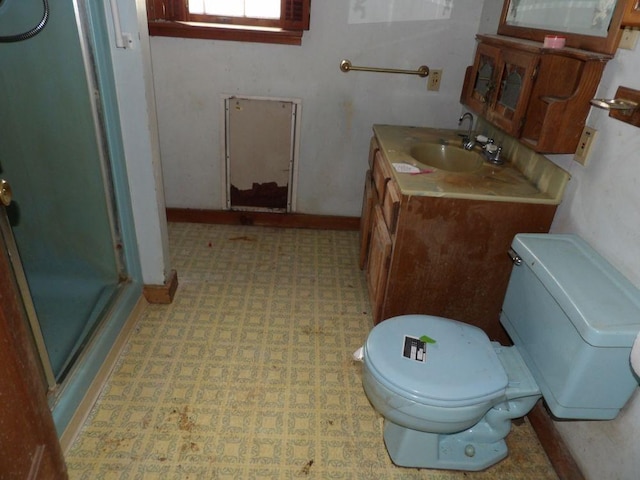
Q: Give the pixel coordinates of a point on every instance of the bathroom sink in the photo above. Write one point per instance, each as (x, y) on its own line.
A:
(446, 157)
(525, 177)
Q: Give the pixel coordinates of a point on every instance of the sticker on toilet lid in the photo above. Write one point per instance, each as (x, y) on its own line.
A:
(414, 349)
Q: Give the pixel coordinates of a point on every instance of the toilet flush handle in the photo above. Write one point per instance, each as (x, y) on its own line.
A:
(515, 258)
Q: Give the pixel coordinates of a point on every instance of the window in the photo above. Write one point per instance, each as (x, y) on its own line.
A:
(245, 9)
(269, 21)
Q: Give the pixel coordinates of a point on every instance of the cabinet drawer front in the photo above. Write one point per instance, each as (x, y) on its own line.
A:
(391, 205)
(381, 175)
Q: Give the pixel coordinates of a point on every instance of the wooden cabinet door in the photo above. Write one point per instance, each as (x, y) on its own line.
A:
(516, 73)
(378, 264)
(29, 446)
(481, 85)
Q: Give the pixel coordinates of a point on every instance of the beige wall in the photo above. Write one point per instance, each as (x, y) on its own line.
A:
(338, 109)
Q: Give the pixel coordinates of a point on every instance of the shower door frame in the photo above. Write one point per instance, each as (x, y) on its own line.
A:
(9, 244)
(91, 21)
(86, 26)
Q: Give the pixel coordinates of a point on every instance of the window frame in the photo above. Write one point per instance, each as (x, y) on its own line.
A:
(171, 18)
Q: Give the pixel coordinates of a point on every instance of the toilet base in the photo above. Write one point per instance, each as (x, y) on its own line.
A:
(411, 448)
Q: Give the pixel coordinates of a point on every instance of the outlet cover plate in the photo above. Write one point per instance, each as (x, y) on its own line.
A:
(585, 144)
(434, 79)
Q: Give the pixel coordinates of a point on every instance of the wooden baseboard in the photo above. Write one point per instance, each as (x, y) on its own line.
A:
(263, 219)
(559, 455)
(162, 293)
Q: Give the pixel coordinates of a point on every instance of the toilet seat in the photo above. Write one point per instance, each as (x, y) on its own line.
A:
(460, 369)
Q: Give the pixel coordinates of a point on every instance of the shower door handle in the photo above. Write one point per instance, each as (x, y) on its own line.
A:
(5, 193)
(123, 40)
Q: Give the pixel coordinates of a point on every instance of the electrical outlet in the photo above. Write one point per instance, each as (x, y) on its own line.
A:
(433, 83)
(585, 144)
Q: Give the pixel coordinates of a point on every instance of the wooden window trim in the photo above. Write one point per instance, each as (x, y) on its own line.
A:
(170, 18)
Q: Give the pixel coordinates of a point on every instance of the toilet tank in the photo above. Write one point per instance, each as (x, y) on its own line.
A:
(573, 318)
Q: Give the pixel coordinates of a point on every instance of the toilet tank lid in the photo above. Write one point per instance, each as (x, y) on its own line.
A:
(601, 303)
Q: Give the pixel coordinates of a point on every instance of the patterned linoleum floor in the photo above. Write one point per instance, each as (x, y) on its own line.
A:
(249, 374)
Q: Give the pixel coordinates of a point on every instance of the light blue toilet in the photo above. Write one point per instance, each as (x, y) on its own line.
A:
(448, 393)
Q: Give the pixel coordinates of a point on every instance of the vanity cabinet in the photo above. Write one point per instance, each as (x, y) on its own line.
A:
(436, 255)
(538, 95)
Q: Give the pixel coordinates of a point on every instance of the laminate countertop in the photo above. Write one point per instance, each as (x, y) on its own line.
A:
(525, 177)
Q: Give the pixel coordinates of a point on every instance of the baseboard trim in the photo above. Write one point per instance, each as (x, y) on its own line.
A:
(263, 219)
(162, 294)
(559, 455)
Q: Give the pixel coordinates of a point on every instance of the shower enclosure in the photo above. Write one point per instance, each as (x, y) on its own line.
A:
(61, 151)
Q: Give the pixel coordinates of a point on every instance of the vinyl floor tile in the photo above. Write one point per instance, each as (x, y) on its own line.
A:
(249, 373)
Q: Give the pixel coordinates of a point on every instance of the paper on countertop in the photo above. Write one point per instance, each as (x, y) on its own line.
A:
(405, 168)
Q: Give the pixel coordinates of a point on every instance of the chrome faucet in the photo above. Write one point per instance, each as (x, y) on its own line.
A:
(492, 153)
(467, 140)
(490, 150)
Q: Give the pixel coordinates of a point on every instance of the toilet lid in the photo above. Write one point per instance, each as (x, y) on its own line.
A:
(435, 361)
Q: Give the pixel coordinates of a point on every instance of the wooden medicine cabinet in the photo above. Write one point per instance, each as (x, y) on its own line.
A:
(631, 16)
(537, 94)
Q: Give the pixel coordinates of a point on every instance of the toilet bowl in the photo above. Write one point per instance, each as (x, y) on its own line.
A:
(445, 387)
(448, 394)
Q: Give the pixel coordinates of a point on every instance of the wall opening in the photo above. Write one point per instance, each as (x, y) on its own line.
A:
(260, 153)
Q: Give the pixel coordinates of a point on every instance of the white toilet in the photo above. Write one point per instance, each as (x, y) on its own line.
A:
(448, 394)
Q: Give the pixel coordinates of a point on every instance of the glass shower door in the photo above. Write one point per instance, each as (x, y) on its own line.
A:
(55, 154)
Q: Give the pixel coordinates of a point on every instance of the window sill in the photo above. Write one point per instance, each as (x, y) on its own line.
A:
(235, 33)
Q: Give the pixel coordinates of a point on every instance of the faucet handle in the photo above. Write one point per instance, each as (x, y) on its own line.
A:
(484, 139)
(493, 152)
(492, 148)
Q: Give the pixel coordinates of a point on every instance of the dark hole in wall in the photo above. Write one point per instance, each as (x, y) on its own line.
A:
(265, 195)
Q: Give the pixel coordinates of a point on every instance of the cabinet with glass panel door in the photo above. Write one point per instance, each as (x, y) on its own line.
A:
(538, 95)
(503, 81)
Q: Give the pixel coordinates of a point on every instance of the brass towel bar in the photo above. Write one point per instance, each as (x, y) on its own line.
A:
(422, 71)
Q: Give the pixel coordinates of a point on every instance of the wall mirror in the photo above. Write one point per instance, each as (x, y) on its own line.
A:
(588, 24)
